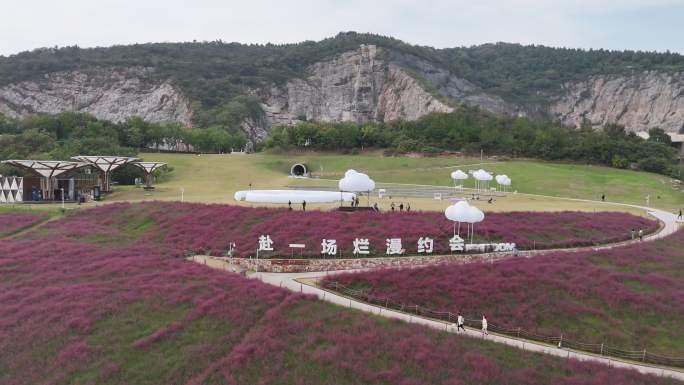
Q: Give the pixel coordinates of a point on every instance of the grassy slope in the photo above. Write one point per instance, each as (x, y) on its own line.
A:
(77, 313)
(214, 178)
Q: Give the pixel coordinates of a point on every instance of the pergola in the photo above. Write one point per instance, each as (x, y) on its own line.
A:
(148, 168)
(106, 164)
(47, 169)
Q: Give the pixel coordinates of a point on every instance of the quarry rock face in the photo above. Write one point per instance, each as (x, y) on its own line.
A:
(639, 101)
(367, 84)
(358, 86)
(109, 94)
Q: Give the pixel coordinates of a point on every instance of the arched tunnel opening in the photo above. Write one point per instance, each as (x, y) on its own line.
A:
(298, 169)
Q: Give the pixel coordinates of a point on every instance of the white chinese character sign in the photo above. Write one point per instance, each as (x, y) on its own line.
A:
(425, 245)
(265, 243)
(456, 243)
(361, 246)
(329, 247)
(394, 246)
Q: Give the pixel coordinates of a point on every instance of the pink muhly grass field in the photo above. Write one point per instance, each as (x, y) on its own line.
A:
(11, 223)
(211, 228)
(630, 297)
(107, 311)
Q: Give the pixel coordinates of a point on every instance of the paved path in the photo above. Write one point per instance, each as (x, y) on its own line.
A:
(290, 281)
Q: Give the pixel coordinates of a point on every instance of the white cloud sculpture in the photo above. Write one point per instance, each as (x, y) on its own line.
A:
(474, 215)
(482, 175)
(503, 180)
(356, 182)
(458, 212)
(459, 175)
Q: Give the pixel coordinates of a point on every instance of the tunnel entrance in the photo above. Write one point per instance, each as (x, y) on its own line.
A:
(299, 169)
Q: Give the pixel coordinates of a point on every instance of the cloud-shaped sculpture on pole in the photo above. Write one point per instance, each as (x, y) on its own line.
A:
(356, 182)
(503, 180)
(458, 212)
(474, 215)
(459, 175)
(482, 175)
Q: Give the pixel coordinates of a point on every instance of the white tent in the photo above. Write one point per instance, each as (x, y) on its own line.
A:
(292, 196)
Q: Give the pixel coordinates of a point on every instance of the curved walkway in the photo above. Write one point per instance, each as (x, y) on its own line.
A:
(292, 281)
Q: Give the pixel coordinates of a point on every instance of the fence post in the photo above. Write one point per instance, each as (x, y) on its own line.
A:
(643, 358)
(449, 317)
(386, 301)
(601, 348)
(518, 332)
(560, 343)
(416, 309)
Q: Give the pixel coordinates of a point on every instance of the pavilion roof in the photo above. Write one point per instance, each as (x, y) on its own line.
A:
(149, 167)
(105, 163)
(45, 168)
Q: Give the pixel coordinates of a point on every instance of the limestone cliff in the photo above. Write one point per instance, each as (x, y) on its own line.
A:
(370, 84)
(108, 94)
(358, 86)
(639, 101)
(367, 84)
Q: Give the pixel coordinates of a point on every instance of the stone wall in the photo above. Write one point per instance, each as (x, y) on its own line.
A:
(312, 265)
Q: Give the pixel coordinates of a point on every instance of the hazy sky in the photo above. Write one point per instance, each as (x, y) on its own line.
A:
(614, 24)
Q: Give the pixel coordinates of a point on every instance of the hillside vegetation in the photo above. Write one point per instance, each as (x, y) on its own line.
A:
(213, 73)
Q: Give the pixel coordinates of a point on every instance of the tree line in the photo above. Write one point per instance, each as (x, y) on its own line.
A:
(471, 130)
(61, 136)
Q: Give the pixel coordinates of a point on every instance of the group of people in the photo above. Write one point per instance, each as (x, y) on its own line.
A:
(460, 324)
(289, 205)
(393, 207)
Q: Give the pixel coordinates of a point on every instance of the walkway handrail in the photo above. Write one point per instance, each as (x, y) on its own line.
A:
(601, 349)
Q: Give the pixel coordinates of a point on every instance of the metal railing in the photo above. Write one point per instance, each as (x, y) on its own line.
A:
(560, 341)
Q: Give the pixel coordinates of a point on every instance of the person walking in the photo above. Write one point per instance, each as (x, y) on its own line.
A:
(679, 217)
(392, 206)
(401, 207)
(303, 205)
(408, 207)
(484, 325)
(641, 234)
(603, 197)
(375, 207)
(289, 205)
(633, 232)
(357, 202)
(460, 322)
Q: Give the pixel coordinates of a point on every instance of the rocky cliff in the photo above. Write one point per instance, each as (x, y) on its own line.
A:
(105, 93)
(370, 84)
(366, 84)
(358, 86)
(639, 101)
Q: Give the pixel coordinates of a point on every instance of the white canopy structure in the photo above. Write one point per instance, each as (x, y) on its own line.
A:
(458, 175)
(504, 181)
(106, 164)
(292, 196)
(148, 168)
(482, 179)
(47, 169)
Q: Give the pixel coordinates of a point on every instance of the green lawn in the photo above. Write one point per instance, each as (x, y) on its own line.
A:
(214, 178)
